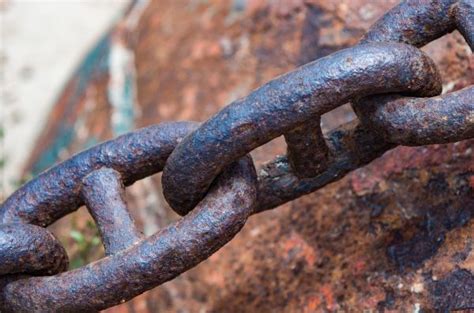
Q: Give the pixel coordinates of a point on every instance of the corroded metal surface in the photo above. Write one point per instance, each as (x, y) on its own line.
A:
(308, 152)
(351, 146)
(104, 195)
(429, 214)
(30, 249)
(287, 102)
(284, 103)
(444, 299)
(415, 121)
(318, 253)
(354, 245)
(57, 191)
(150, 262)
(415, 22)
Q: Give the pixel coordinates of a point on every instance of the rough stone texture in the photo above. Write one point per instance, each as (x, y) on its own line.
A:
(394, 236)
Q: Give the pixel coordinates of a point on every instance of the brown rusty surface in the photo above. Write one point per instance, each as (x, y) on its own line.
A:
(383, 237)
(286, 102)
(307, 151)
(414, 121)
(149, 263)
(30, 249)
(104, 195)
(396, 234)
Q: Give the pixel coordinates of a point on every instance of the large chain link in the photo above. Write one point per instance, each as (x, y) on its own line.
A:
(208, 176)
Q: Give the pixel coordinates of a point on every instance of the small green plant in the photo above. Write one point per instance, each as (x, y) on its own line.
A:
(87, 244)
(17, 183)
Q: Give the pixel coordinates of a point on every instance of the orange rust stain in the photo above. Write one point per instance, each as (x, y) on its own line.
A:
(296, 247)
(328, 294)
(312, 304)
(204, 48)
(359, 266)
(376, 295)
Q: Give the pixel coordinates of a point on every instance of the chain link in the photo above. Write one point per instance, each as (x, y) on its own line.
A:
(208, 176)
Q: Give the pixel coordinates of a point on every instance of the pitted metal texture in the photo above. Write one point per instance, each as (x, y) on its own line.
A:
(208, 176)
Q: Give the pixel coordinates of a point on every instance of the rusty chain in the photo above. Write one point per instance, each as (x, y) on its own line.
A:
(208, 176)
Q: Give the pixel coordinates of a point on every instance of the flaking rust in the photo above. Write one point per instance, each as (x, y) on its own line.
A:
(350, 246)
(143, 265)
(383, 238)
(262, 283)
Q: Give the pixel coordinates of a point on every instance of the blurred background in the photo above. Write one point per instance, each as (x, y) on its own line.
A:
(42, 43)
(75, 73)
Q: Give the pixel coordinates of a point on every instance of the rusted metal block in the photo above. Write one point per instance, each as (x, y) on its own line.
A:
(395, 235)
